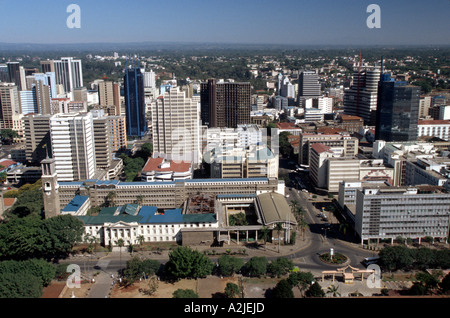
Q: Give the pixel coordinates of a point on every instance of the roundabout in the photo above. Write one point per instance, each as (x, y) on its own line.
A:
(331, 258)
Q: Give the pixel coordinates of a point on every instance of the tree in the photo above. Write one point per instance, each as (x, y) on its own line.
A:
(444, 285)
(137, 268)
(8, 135)
(256, 266)
(395, 257)
(265, 234)
(280, 266)
(333, 290)
(62, 233)
(315, 290)
(279, 228)
(301, 279)
(283, 290)
(20, 285)
(184, 293)
(187, 263)
(231, 290)
(109, 200)
(229, 265)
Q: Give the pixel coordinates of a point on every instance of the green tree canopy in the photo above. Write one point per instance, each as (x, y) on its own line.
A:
(283, 290)
(256, 266)
(280, 266)
(184, 293)
(136, 268)
(229, 265)
(185, 262)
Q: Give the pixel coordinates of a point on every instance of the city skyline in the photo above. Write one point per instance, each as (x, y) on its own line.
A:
(240, 22)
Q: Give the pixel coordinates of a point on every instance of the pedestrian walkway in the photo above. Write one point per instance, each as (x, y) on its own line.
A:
(102, 286)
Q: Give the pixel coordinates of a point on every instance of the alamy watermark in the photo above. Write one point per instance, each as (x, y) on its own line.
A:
(74, 19)
(374, 19)
(74, 279)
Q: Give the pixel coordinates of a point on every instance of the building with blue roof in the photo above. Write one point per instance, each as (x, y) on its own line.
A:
(79, 205)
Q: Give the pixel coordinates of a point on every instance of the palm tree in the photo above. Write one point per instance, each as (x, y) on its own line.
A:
(303, 224)
(265, 235)
(333, 290)
(294, 204)
(110, 198)
(140, 199)
(141, 240)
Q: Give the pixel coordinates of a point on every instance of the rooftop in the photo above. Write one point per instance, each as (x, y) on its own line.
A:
(160, 164)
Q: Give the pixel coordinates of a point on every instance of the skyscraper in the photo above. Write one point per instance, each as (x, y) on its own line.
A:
(134, 102)
(38, 144)
(109, 95)
(68, 73)
(225, 104)
(397, 111)
(9, 105)
(72, 137)
(308, 86)
(361, 98)
(176, 126)
(14, 73)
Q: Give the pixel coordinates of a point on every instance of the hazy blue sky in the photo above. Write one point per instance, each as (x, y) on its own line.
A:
(229, 21)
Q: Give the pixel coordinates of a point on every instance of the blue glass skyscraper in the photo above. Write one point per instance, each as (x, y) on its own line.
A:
(134, 102)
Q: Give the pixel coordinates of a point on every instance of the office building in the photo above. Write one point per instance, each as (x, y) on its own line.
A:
(397, 111)
(4, 74)
(73, 147)
(68, 73)
(176, 127)
(361, 98)
(225, 104)
(434, 128)
(136, 123)
(14, 73)
(386, 213)
(9, 105)
(308, 86)
(38, 143)
(109, 95)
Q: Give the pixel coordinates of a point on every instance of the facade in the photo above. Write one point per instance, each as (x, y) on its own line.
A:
(109, 95)
(176, 127)
(397, 111)
(73, 147)
(349, 144)
(225, 104)
(9, 105)
(407, 212)
(308, 86)
(165, 195)
(434, 128)
(136, 124)
(68, 73)
(38, 143)
(361, 98)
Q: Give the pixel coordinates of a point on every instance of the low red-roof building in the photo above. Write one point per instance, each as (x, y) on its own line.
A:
(160, 169)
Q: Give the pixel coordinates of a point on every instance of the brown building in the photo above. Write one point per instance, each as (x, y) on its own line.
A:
(225, 104)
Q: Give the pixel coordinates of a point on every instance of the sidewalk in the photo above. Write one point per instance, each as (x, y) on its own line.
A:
(102, 286)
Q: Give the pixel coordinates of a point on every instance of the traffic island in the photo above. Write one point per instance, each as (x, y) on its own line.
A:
(333, 259)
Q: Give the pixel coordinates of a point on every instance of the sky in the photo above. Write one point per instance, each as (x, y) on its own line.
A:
(298, 22)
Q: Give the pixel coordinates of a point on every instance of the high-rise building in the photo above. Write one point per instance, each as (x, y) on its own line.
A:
(134, 102)
(397, 111)
(72, 137)
(68, 73)
(308, 86)
(361, 98)
(47, 66)
(9, 105)
(4, 75)
(14, 73)
(176, 127)
(225, 104)
(38, 143)
(109, 95)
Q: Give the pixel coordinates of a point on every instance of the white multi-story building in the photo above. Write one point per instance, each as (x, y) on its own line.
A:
(434, 128)
(72, 138)
(408, 212)
(68, 72)
(176, 127)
